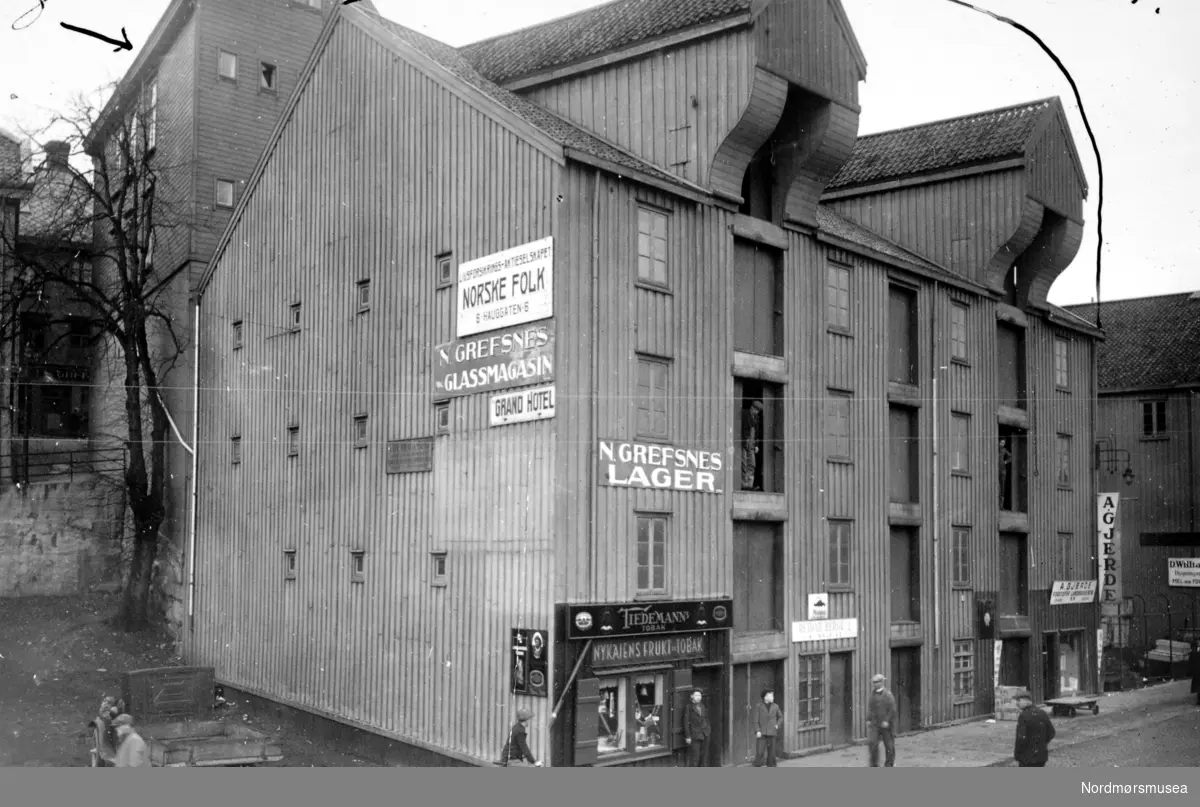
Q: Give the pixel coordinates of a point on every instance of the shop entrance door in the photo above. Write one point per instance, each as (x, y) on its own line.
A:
(841, 699)
(709, 681)
(748, 683)
(906, 687)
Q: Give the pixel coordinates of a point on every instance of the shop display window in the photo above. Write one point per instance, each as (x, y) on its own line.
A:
(632, 714)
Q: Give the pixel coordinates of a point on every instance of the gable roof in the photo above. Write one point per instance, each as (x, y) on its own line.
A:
(593, 31)
(1150, 342)
(982, 137)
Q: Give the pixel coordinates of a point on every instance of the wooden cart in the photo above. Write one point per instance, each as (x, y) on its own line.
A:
(172, 709)
(1068, 706)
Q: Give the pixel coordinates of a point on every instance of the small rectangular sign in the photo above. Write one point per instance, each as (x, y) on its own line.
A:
(506, 288)
(818, 606)
(1110, 552)
(659, 467)
(410, 456)
(1072, 592)
(1183, 572)
(528, 662)
(521, 406)
(823, 630)
(514, 357)
(642, 651)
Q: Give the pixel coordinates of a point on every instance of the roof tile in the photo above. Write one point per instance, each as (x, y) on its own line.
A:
(1149, 342)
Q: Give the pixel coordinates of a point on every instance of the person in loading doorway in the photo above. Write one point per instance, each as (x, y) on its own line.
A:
(1034, 733)
(881, 723)
(516, 750)
(131, 751)
(1194, 669)
(768, 720)
(696, 730)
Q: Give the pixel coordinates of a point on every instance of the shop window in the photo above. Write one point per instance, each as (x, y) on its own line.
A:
(651, 554)
(839, 554)
(652, 385)
(960, 443)
(960, 551)
(810, 697)
(1062, 460)
(1062, 364)
(1154, 418)
(902, 335)
(760, 407)
(632, 718)
(757, 577)
(1014, 463)
(837, 296)
(964, 669)
(904, 455)
(837, 426)
(958, 331)
(757, 299)
(1010, 365)
(652, 246)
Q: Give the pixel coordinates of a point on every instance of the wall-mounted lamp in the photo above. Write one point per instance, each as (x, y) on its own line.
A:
(1111, 457)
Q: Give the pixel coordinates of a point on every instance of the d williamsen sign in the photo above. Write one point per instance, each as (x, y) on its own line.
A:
(662, 467)
(506, 288)
(515, 357)
(605, 620)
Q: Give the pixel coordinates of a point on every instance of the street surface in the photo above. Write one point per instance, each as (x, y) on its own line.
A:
(1173, 743)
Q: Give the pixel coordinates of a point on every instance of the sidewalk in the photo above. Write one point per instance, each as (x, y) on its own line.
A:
(989, 744)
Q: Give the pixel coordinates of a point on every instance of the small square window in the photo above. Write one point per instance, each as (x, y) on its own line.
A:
(360, 431)
(295, 316)
(289, 564)
(293, 441)
(266, 79)
(235, 450)
(227, 65)
(441, 416)
(364, 295)
(439, 568)
(237, 335)
(224, 193)
(358, 565)
(445, 271)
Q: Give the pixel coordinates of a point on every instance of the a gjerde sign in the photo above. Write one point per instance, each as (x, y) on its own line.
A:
(506, 288)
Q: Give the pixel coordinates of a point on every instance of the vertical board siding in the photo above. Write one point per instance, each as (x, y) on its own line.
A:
(393, 653)
(671, 108)
(805, 41)
(1054, 178)
(959, 224)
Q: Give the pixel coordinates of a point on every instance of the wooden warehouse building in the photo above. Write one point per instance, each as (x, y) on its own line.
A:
(602, 361)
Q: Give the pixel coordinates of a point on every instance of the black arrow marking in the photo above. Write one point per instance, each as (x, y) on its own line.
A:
(126, 45)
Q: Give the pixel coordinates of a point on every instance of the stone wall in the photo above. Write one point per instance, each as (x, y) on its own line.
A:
(60, 537)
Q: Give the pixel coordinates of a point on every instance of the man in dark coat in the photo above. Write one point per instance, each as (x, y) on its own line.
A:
(696, 731)
(881, 723)
(516, 750)
(1034, 733)
(768, 719)
(1194, 669)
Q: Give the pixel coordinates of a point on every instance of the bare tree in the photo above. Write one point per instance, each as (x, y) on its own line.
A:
(94, 251)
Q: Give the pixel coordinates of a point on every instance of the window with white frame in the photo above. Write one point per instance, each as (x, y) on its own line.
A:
(224, 195)
(652, 246)
(632, 714)
(960, 555)
(958, 331)
(960, 443)
(837, 296)
(964, 669)
(1062, 460)
(839, 553)
(810, 696)
(1062, 365)
(227, 64)
(1154, 418)
(651, 554)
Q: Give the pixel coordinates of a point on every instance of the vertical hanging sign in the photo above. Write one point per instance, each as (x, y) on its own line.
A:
(1109, 553)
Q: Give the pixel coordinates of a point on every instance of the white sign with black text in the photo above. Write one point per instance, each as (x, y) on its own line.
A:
(1073, 592)
(818, 606)
(521, 406)
(1183, 572)
(506, 288)
(824, 630)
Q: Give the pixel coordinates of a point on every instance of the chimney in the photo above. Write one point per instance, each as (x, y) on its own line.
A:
(57, 153)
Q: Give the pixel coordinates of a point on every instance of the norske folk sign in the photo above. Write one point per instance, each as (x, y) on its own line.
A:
(506, 288)
(514, 357)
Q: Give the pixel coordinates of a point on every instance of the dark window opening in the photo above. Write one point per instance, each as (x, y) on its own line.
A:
(268, 77)
(758, 577)
(904, 459)
(1011, 281)
(905, 575)
(1010, 347)
(1014, 576)
(1014, 470)
(902, 335)
(1154, 418)
(760, 406)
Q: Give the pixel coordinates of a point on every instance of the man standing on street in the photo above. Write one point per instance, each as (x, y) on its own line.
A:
(1194, 669)
(131, 753)
(1034, 733)
(768, 719)
(696, 730)
(881, 722)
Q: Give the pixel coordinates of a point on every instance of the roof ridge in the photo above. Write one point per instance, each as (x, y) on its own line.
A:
(959, 118)
(1131, 299)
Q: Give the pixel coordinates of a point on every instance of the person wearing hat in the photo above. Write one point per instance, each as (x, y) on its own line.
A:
(516, 750)
(1034, 733)
(768, 719)
(881, 723)
(131, 751)
(696, 730)
(1194, 669)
